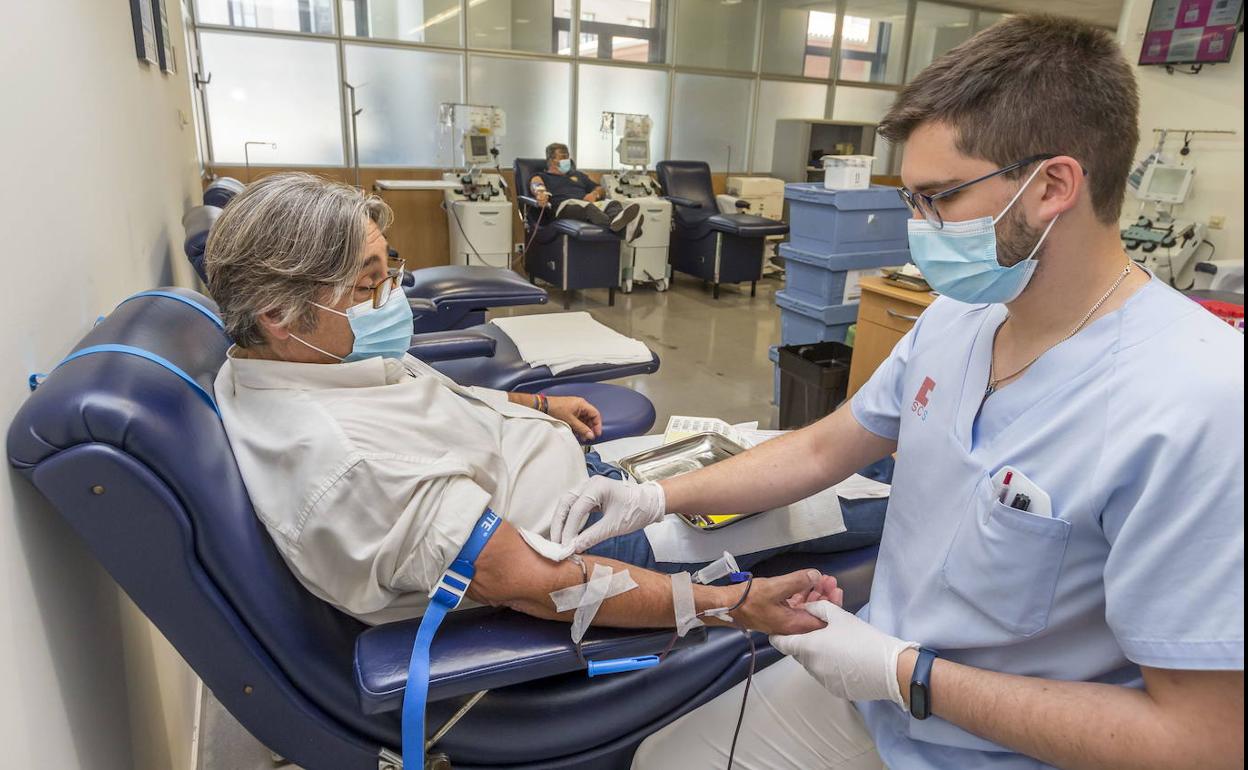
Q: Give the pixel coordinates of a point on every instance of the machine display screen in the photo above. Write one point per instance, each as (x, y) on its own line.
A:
(1166, 184)
(634, 152)
(478, 147)
(1191, 31)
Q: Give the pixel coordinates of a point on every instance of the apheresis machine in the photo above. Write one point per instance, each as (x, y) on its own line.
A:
(478, 211)
(645, 259)
(1168, 245)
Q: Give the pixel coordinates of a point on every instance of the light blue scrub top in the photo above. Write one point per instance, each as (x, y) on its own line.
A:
(1135, 428)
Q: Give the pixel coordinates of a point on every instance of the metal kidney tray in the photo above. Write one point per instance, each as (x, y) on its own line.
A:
(683, 456)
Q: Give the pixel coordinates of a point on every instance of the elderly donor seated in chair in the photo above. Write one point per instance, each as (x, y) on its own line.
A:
(571, 194)
(370, 469)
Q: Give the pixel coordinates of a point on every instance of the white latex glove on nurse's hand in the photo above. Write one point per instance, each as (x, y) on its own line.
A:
(626, 507)
(850, 657)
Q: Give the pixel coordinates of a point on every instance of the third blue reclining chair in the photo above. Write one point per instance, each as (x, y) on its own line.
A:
(718, 248)
(123, 438)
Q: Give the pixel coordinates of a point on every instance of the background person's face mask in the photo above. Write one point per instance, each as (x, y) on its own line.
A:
(960, 260)
(565, 165)
(384, 331)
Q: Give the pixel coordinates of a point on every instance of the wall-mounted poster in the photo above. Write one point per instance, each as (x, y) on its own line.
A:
(164, 41)
(145, 45)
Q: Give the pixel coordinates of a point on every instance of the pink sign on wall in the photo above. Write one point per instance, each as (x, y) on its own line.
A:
(1191, 31)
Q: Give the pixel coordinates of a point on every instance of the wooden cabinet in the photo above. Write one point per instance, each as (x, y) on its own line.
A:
(885, 313)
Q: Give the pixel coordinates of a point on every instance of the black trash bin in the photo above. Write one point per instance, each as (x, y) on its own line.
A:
(814, 379)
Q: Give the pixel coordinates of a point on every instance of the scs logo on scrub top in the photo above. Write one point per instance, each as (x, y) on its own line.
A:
(919, 407)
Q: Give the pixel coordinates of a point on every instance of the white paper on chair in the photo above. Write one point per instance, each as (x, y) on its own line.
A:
(564, 341)
(817, 516)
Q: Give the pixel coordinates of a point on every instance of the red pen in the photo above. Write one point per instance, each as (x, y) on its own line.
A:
(1005, 488)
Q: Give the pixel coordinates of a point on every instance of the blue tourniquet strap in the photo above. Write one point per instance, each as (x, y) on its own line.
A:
(141, 353)
(174, 296)
(446, 596)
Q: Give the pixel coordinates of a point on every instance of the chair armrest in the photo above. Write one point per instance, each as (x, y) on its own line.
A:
(452, 345)
(422, 307)
(486, 648)
(731, 204)
(529, 200)
(685, 202)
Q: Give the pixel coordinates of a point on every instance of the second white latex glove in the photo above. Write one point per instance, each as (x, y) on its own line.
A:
(626, 507)
(851, 658)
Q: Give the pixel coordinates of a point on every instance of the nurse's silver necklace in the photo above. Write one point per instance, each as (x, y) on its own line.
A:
(994, 381)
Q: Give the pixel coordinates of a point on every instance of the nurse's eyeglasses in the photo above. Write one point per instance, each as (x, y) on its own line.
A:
(925, 205)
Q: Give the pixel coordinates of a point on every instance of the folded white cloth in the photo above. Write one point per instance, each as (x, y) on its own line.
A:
(564, 341)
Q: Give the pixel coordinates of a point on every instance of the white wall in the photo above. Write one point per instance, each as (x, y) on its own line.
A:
(98, 169)
(1214, 99)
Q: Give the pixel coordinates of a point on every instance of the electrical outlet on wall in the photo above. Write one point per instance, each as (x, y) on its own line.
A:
(1217, 222)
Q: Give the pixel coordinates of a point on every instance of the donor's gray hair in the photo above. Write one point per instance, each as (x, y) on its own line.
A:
(280, 243)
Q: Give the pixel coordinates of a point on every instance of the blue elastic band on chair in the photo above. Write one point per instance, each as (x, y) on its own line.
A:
(184, 300)
(141, 353)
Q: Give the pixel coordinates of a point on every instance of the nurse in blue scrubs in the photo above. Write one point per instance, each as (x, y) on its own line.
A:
(1060, 580)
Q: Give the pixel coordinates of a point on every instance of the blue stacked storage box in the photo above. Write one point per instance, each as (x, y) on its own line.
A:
(822, 278)
(833, 232)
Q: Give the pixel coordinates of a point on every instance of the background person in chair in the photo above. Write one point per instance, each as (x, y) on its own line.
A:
(369, 468)
(571, 194)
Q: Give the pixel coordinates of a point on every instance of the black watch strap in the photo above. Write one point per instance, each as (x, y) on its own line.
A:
(921, 685)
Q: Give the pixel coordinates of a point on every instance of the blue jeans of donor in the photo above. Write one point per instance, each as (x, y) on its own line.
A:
(864, 521)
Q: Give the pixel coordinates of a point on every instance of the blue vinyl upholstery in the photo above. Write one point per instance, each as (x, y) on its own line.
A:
(140, 466)
(463, 293)
(625, 412)
(568, 254)
(718, 248)
(222, 191)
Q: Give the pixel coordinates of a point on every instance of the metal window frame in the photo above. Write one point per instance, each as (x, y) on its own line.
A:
(665, 39)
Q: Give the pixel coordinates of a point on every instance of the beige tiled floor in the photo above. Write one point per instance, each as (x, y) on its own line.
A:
(714, 364)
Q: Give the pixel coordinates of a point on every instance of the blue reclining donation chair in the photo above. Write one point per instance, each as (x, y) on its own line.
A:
(718, 248)
(123, 438)
(567, 253)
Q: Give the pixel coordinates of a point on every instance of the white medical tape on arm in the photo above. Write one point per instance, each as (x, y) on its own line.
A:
(595, 593)
(682, 603)
(574, 596)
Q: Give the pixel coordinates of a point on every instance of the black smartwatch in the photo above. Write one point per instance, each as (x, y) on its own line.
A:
(921, 685)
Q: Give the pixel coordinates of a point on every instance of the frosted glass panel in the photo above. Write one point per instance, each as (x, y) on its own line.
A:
(287, 15)
(871, 40)
(778, 100)
(937, 29)
(712, 120)
(399, 91)
(712, 33)
(540, 26)
(797, 37)
(267, 89)
(867, 105)
(618, 89)
(418, 21)
(986, 19)
(536, 115)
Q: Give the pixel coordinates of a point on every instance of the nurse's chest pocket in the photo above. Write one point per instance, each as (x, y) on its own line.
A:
(1005, 562)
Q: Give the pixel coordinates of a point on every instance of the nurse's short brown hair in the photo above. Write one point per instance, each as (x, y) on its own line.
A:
(1028, 85)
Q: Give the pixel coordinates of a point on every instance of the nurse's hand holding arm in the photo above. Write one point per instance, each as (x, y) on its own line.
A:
(1181, 718)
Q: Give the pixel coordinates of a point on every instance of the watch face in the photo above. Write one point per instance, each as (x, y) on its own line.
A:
(919, 707)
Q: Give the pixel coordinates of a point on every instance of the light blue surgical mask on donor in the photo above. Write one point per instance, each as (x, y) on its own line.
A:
(960, 261)
(384, 331)
(565, 165)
